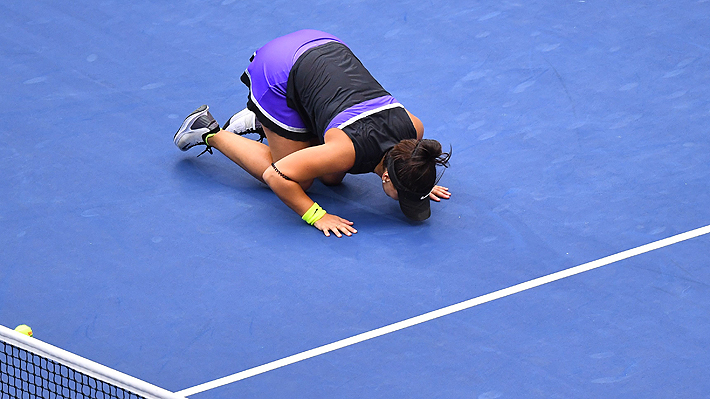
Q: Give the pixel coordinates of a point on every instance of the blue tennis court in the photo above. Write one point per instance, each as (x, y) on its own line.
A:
(579, 130)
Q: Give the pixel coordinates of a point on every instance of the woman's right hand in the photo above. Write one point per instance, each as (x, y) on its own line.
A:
(439, 192)
(335, 224)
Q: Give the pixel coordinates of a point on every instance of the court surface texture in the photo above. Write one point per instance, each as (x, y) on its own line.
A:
(579, 131)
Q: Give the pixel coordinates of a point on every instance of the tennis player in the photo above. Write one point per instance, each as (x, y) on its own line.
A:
(323, 115)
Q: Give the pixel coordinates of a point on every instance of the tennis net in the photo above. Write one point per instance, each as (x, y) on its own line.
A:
(30, 368)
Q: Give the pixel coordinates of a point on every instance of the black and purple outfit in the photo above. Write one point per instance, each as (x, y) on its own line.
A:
(304, 83)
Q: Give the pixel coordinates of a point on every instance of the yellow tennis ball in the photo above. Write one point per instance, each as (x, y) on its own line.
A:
(24, 329)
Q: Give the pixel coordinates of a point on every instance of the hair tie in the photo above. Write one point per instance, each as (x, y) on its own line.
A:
(416, 147)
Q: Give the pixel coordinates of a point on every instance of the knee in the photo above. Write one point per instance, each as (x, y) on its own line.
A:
(332, 179)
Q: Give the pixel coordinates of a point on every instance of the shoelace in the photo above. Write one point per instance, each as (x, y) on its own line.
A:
(207, 149)
(260, 131)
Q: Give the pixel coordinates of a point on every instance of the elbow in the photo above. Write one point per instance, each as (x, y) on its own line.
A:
(268, 177)
(273, 179)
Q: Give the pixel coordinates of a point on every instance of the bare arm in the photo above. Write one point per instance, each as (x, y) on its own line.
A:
(336, 155)
(418, 125)
(438, 192)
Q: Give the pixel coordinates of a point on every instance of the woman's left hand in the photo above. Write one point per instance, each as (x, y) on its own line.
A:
(439, 192)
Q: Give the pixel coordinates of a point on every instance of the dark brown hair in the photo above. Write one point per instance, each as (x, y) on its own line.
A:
(415, 163)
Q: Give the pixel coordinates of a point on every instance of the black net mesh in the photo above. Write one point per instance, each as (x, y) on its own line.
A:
(25, 375)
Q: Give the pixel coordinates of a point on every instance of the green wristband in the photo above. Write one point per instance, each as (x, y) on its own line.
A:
(313, 214)
(209, 136)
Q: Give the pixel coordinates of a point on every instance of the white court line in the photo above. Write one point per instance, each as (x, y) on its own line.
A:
(445, 311)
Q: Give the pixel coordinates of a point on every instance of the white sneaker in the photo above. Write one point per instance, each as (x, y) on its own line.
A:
(244, 122)
(194, 130)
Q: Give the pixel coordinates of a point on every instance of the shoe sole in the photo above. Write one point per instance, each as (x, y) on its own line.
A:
(186, 124)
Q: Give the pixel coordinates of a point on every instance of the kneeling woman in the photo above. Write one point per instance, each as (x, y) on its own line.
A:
(323, 116)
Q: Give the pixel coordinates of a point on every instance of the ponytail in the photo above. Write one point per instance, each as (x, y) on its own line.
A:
(429, 151)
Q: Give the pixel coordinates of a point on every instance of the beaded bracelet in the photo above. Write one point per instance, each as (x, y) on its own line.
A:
(281, 174)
